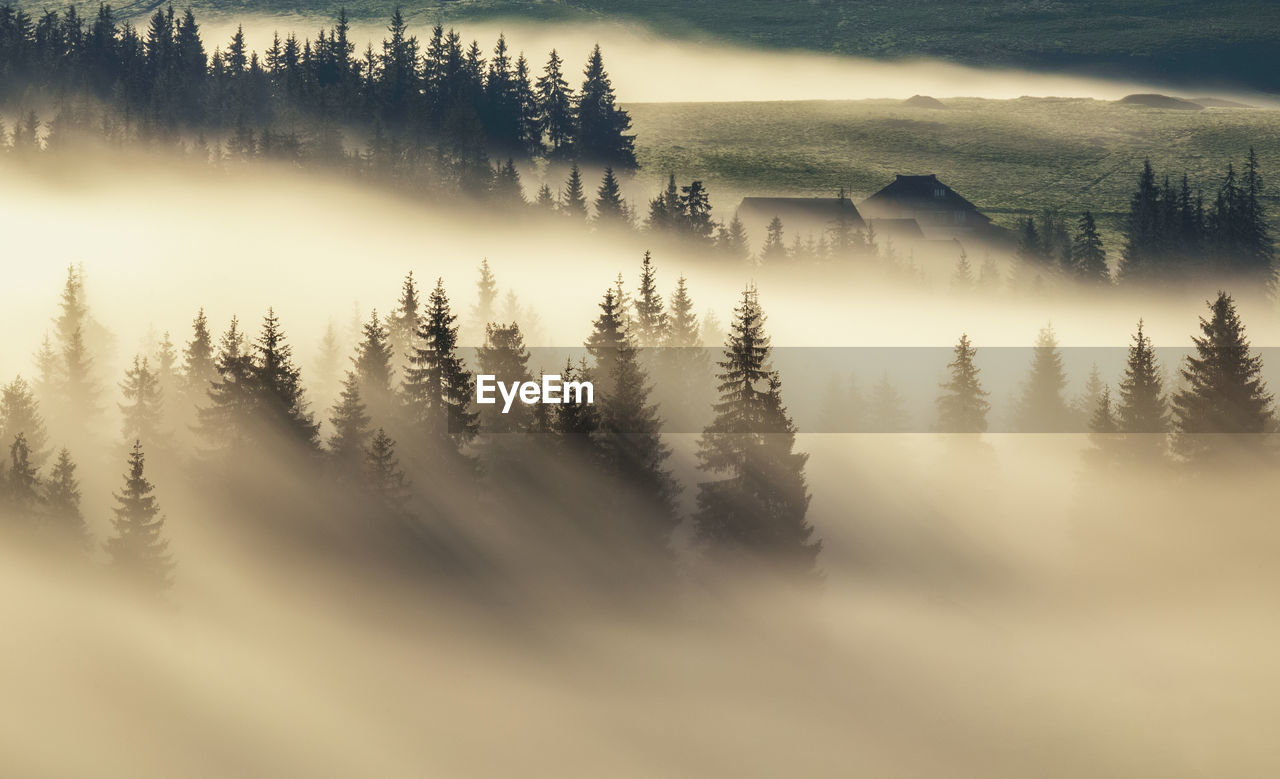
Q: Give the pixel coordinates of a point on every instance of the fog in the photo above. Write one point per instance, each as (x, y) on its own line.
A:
(990, 608)
(646, 66)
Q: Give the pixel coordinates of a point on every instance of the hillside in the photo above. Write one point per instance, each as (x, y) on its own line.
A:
(1007, 156)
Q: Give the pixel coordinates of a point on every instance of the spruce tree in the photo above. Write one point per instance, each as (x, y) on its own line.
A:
(1142, 408)
(733, 244)
(757, 506)
(631, 448)
(610, 208)
(608, 336)
(573, 201)
(403, 324)
(555, 101)
(22, 482)
(774, 250)
(199, 364)
(62, 501)
(1042, 408)
(1225, 393)
(438, 388)
(383, 476)
(1090, 257)
(504, 356)
(601, 130)
(20, 413)
(963, 406)
(225, 421)
(650, 318)
(1142, 234)
(373, 368)
(277, 384)
(485, 309)
(1103, 421)
(684, 379)
(350, 426)
(137, 547)
(143, 409)
(695, 207)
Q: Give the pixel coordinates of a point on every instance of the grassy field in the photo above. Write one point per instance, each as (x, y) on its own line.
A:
(1226, 42)
(1008, 156)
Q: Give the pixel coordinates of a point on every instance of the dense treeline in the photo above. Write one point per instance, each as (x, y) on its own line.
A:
(435, 106)
(1170, 235)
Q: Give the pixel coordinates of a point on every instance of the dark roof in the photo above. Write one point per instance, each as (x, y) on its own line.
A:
(918, 192)
(796, 212)
(898, 228)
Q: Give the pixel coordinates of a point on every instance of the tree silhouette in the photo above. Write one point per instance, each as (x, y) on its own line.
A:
(757, 508)
(137, 547)
(963, 406)
(1224, 393)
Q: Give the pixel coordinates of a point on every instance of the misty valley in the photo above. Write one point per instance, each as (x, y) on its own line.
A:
(375, 401)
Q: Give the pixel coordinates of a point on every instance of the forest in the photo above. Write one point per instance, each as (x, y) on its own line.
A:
(842, 501)
(403, 428)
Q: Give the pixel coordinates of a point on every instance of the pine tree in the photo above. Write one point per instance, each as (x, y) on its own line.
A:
(774, 250)
(733, 243)
(573, 201)
(1142, 235)
(277, 384)
(199, 365)
(20, 414)
(555, 100)
(62, 500)
(350, 426)
(225, 421)
(684, 379)
(137, 547)
(1042, 408)
(1103, 422)
(384, 477)
(403, 324)
(143, 409)
(650, 319)
(695, 207)
(504, 356)
(1224, 393)
(373, 369)
(438, 388)
(608, 336)
(485, 310)
(610, 208)
(630, 444)
(22, 483)
(963, 406)
(757, 508)
(1142, 407)
(1090, 257)
(601, 130)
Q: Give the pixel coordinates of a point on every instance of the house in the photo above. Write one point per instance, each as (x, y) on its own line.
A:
(801, 216)
(938, 210)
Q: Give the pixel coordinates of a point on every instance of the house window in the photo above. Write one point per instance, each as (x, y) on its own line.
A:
(940, 192)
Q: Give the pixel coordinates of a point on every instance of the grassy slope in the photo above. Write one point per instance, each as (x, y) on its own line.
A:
(1007, 156)
(1228, 41)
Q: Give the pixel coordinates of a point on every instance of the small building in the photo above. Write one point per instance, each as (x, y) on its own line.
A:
(801, 216)
(938, 210)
